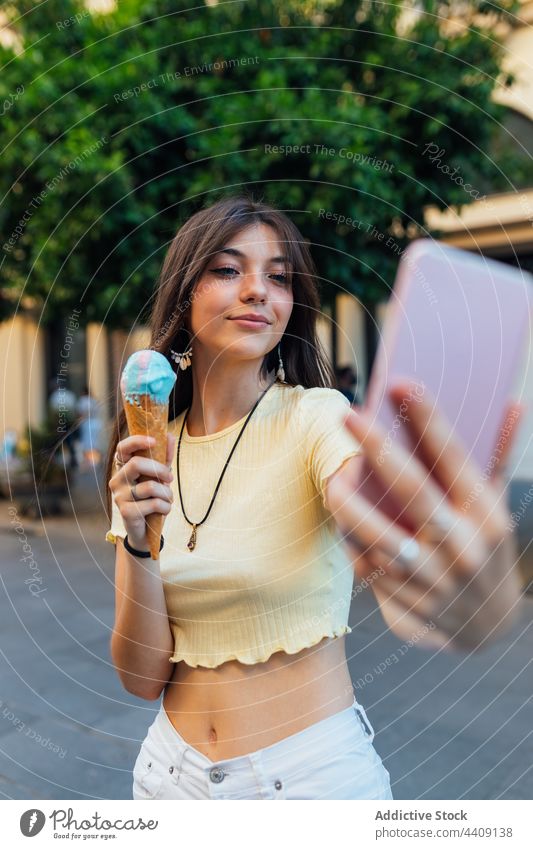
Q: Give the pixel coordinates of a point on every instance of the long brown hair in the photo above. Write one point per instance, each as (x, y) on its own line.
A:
(200, 238)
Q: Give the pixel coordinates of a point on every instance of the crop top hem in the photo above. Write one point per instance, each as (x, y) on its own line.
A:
(249, 659)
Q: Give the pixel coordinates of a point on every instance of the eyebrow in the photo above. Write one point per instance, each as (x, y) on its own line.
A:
(235, 252)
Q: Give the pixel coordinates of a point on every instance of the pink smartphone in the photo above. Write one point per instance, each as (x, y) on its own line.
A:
(457, 325)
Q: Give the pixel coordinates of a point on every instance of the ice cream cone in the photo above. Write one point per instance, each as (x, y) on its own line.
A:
(147, 418)
(146, 383)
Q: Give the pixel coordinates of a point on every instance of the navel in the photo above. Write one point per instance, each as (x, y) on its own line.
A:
(212, 735)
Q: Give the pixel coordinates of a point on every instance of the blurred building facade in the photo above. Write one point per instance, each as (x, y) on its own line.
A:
(499, 226)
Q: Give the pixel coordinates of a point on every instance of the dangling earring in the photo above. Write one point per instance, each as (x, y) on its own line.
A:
(280, 374)
(184, 359)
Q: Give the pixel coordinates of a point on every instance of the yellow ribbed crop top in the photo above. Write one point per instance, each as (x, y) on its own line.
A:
(269, 572)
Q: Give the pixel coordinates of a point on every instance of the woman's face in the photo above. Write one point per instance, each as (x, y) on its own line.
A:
(247, 277)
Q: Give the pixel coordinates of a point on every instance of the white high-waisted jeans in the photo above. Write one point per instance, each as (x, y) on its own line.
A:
(333, 758)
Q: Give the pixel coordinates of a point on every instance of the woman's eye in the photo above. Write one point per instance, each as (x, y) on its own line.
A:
(223, 271)
(228, 271)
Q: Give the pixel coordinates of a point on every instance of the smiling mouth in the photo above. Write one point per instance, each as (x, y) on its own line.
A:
(260, 322)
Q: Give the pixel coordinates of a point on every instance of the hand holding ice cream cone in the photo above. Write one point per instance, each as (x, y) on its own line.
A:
(146, 383)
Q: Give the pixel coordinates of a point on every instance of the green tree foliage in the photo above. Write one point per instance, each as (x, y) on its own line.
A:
(116, 126)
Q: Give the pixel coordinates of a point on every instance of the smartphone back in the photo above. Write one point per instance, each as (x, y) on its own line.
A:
(456, 325)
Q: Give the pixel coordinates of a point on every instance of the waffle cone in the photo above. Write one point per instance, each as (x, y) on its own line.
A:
(149, 419)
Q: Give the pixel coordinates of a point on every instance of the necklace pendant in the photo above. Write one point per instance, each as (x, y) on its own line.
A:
(192, 541)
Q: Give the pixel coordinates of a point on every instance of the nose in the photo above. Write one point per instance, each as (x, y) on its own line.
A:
(253, 287)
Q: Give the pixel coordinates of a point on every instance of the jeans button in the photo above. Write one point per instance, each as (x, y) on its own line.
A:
(216, 774)
(278, 785)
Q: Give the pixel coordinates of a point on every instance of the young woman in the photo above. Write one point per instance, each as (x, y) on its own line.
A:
(240, 623)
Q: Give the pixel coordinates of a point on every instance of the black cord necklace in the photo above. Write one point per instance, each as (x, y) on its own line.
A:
(192, 540)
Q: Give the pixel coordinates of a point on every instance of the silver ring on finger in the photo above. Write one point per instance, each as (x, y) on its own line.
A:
(133, 492)
(117, 461)
(408, 553)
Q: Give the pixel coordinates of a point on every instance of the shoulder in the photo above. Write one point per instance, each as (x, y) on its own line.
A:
(323, 439)
(321, 400)
(316, 409)
(316, 395)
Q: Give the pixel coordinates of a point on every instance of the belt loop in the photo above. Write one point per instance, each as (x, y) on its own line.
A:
(180, 764)
(172, 741)
(369, 731)
(177, 769)
(259, 774)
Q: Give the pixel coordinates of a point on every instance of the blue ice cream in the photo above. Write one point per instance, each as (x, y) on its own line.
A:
(147, 373)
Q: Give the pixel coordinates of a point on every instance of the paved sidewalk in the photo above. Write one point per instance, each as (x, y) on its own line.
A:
(447, 727)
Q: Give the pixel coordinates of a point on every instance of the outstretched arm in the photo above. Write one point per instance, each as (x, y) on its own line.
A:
(464, 584)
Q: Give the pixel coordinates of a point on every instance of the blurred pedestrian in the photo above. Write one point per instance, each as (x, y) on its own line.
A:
(62, 403)
(347, 383)
(88, 409)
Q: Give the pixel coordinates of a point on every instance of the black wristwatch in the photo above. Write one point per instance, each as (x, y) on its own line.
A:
(138, 553)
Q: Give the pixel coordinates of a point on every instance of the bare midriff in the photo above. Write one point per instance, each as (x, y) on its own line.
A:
(237, 708)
